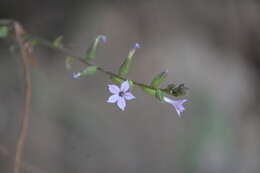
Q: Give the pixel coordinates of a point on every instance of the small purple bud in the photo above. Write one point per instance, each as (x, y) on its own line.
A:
(103, 38)
(166, 71)
(137, 46)
(75, 75)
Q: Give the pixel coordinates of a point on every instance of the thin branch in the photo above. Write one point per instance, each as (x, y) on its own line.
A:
(19, 32)
(68, 52)
(26, 166)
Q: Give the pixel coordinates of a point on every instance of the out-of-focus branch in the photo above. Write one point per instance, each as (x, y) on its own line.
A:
(19, 32)
(30, 168)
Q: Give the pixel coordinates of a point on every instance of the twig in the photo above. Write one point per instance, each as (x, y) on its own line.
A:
(19, 32)
(26, 166)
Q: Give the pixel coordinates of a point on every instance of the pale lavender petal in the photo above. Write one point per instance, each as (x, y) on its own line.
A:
(177, 104)
(182, 101)
(113, 98)
(124, 86)
(113, 89)
(121, 103)
(129, 96)
(178, 113)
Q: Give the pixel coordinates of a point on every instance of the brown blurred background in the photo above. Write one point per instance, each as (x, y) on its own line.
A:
(213, 46)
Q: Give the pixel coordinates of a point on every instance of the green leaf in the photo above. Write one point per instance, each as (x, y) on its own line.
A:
(91, 52)
(159, 79)
(89, 70)
(3, 31)
(159, 94)
(57, 43)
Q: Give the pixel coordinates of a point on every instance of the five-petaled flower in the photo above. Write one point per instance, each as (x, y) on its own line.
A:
(177, 104)
(120, 94)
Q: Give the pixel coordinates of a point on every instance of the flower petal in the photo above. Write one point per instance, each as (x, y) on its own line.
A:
(177, 104)
(113, 89)
(124, 86)
(112, 99)
(129, 96)
(183, 101)
(121, 103)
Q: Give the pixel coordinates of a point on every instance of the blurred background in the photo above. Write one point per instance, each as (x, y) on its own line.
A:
(213, 46)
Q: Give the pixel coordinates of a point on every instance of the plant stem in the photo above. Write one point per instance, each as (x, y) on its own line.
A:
(19, 32)
(68, 52)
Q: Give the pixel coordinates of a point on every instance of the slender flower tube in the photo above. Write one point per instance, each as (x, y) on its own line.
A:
(177, 104)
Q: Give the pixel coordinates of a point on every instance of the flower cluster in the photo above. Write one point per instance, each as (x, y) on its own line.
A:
(122, 93)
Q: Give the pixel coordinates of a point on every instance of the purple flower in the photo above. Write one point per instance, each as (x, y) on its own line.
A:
(120, 94)
(177, 104)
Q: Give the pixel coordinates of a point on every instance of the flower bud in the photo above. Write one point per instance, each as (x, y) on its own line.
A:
(181, 90)
(91, 52)
(124, 68)
(87, 71)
